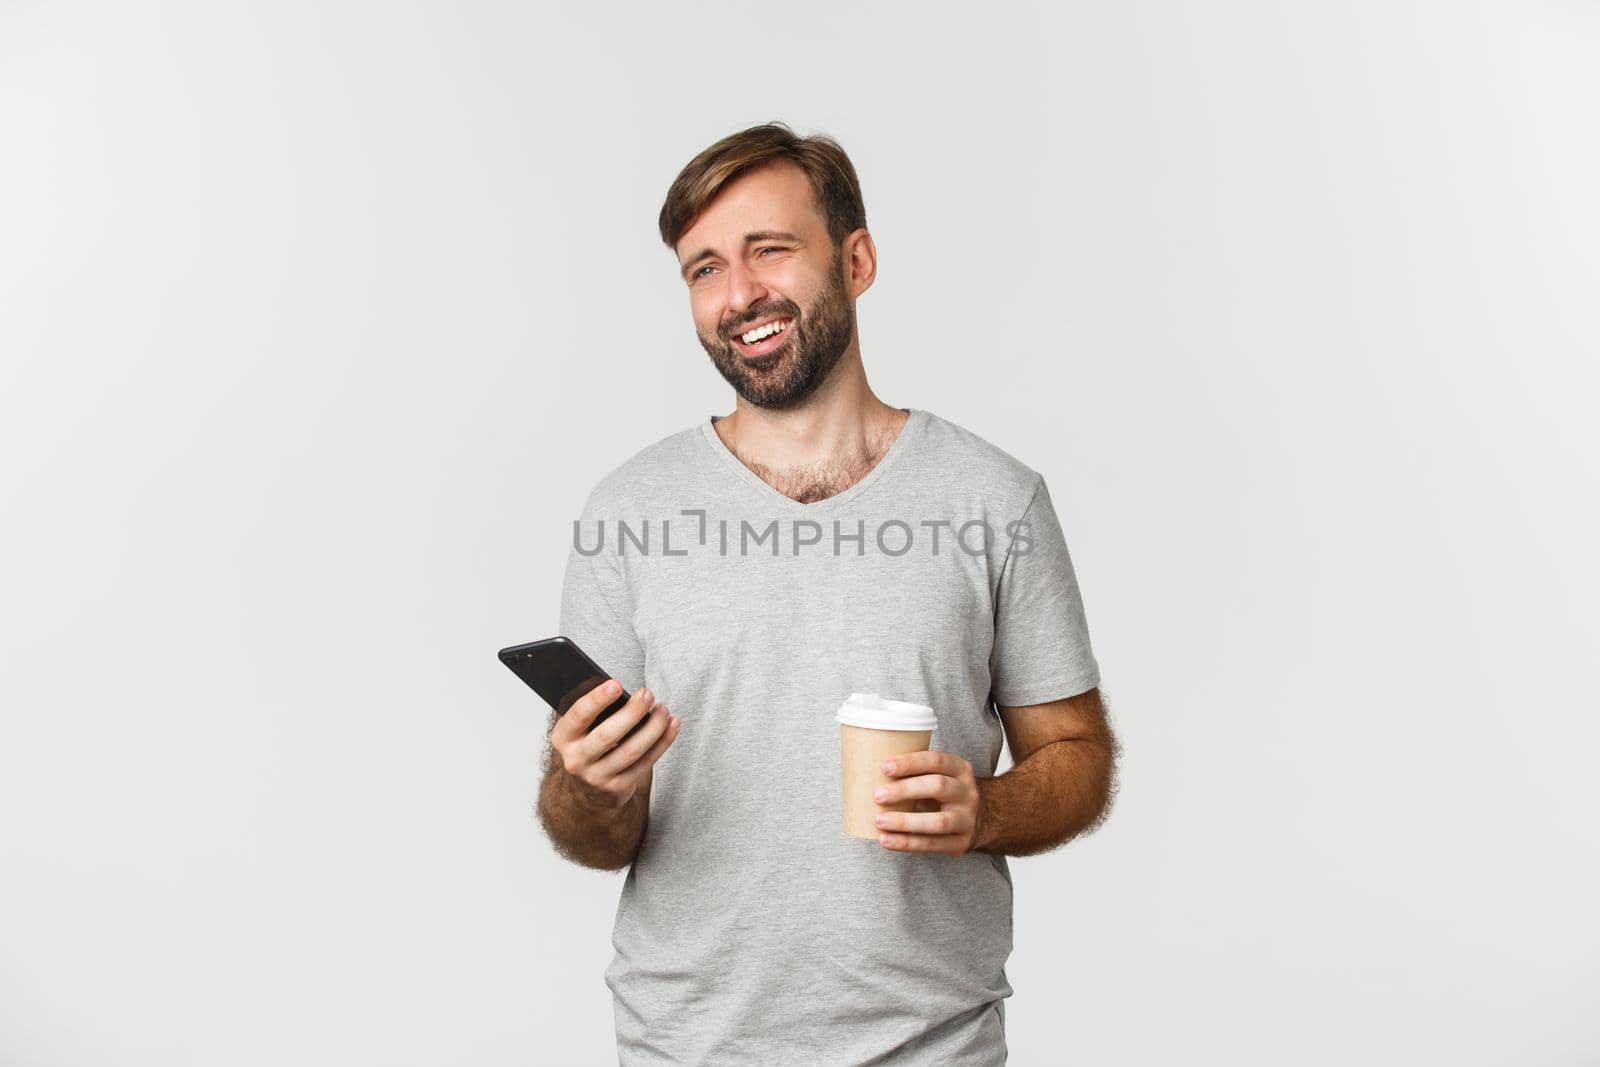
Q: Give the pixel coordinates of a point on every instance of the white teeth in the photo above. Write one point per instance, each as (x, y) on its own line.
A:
(764, 331)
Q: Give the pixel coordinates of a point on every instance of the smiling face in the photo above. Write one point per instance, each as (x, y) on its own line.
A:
(759, 255)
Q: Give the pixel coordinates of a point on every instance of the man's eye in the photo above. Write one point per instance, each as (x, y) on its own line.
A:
(764, 248)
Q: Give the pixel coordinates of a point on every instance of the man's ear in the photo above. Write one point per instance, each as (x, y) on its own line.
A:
(859, 258)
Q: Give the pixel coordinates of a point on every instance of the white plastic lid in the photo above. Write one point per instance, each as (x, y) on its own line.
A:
(872, 712)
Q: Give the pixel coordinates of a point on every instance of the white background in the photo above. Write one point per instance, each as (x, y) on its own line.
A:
(320, 320)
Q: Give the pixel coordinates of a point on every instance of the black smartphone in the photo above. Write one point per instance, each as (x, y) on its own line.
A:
(557, 669)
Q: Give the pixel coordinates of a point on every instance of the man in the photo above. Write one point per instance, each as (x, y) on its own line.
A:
(893, 553)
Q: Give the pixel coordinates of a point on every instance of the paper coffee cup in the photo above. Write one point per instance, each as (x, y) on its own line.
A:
(872, 729)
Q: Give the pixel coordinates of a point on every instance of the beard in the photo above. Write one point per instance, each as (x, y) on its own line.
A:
(812, 346)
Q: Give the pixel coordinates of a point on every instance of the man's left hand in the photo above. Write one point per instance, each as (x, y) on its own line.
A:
(948, 804)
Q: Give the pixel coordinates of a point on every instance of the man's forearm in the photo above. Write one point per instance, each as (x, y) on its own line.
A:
(588, 834)
(1058, 792)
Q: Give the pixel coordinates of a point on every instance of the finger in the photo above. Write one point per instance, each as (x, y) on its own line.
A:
(603, 738)
(907, 763)
(951, 844)
(621, 758)
(575, 721)
(636, 773)
(946, 821)
(935, 786)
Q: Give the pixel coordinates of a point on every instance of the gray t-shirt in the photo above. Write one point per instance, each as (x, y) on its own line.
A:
(751, 929)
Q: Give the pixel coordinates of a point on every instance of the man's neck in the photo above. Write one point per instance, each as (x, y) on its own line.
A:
(815, 452)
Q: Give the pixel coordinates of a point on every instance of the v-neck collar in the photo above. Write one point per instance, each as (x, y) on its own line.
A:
(914, 419)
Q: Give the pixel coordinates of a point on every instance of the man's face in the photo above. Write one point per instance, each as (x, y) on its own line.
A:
(760, 253)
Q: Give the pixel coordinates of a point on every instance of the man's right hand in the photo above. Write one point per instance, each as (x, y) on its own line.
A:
(605, 772)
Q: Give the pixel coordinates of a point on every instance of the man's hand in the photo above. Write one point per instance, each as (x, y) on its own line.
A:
(600, 766)
(948, 804)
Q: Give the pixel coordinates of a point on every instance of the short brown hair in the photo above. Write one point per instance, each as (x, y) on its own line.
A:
(833, 178)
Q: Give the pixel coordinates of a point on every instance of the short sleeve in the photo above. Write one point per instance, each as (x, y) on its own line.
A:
(1041, 648)
(596, 602)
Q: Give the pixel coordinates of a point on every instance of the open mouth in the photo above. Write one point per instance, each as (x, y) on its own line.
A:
(769, 338)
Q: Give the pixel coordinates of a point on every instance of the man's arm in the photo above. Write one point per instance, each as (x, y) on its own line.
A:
(594, 801)
(587, 831)
(1062, 781)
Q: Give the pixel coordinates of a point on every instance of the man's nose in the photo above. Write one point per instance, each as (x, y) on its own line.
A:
(744, 289)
